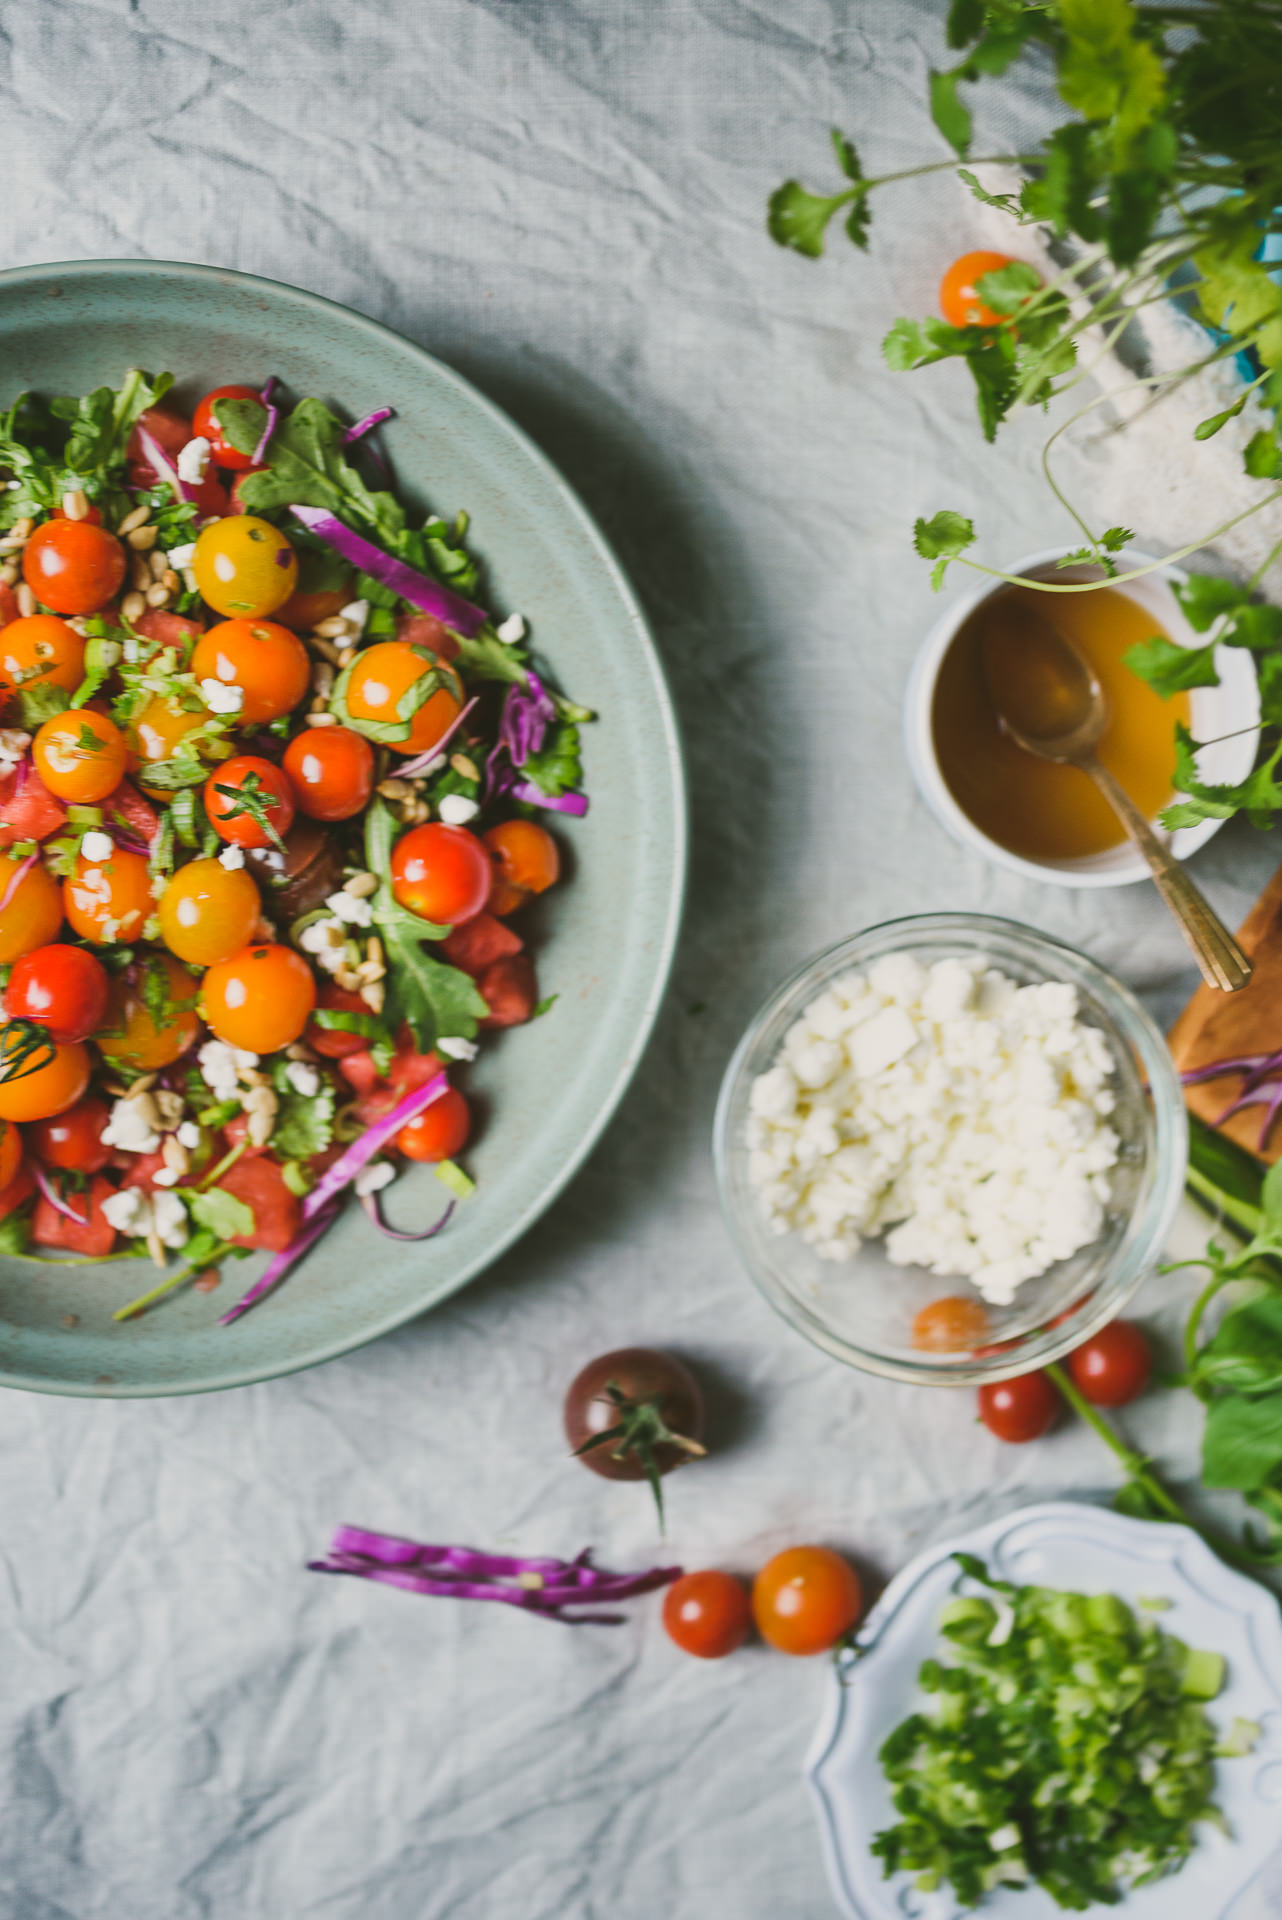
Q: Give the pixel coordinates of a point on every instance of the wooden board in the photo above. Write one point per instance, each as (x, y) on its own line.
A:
(1216, 1026)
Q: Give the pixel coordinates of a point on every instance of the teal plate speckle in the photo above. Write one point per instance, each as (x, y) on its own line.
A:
(606, 937)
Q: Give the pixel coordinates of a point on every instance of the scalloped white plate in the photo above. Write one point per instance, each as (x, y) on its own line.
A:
(1089, 1550)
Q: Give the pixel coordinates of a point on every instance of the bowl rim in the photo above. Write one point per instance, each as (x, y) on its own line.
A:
(1168, 1156)
(664, 942)
(1236, 679)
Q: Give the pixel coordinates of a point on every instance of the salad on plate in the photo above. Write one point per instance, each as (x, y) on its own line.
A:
(274, 789)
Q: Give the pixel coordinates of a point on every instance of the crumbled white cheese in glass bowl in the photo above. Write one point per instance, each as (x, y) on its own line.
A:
(950, 1105)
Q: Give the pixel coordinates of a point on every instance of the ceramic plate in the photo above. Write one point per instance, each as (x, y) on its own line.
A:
(604, 942)
(1089, 1550)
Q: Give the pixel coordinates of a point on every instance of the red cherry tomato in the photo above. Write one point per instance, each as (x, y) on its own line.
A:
(805, 1599)
(336, 1043)
(441, 873)
(73, 566)
(440, 1131)
(249, 800)
(62, 988)
(73, 1140)
(707, 1614)
(332, 770)
(206, 425)
(1113, 1366)
(169, 429)
(959, 302)
(1021, 1409)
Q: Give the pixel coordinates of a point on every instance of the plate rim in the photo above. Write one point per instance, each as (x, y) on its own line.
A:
(665, 940)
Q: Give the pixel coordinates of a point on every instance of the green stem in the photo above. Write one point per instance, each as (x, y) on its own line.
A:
(228, 1160)
(1197, 1312)
(146, 1300)
(1137, 1467)
(1240, 1213)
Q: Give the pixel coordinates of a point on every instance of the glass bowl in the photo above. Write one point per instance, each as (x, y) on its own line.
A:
(862, 1310)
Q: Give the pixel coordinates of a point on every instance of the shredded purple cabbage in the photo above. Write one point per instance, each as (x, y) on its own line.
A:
(20, 775)
(162, 466)
(369, 1201)
(273, 417)
(283, 1262)
(408, 768)
(367, 425)
(402, 579)
(576, 803)
(16, 879)
(528, 712)
(1262, 1087)
(52, 1194)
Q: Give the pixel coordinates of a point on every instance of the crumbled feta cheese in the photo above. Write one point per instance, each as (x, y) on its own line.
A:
(181, 557)
(217, 1062)
(129, 1129)
(374, 1177)
(169, 1217)
(193, 460)
(456, 809)
(233, 858)
(244, 1058)
(222, 696)
(13, 745)
(348, 908)
(303, 1078)
(455, 1049)
(128, 1211)
(165, 1177)
(189, 1134)
(326, 941)
(511, 630)
(958, 1113)
(357, 611)
(97, 847)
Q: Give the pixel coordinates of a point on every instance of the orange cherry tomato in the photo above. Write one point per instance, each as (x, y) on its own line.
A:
(266, 661)
(525, 855)
(205, 424)
(140, 1037)
(440, 1131)
(108, 901)
(442, 873)
(59, 987)
(81, 756)
(382, 677)
(10, 1153)
(332, 771)
(158, 730)
(40, 650)
(959, 302)
(244, 565)
(708, 1614)
(32, 914)
(805, 1599)
(73, 1140)
(207, 914)
(259, 999)
(954, 1324)
(73, 566)
(336, 1043)
(53, 1087)
(249, 801)
(304, 611)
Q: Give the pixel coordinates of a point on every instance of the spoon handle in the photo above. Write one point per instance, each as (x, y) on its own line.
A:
(1218, 954)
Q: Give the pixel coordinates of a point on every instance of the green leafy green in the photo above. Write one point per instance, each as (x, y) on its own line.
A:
(220, 1213)
(438, 1001)
(556, 767)
(304, 1122)
(1169, 668)
(941, 539)
(1259, 796)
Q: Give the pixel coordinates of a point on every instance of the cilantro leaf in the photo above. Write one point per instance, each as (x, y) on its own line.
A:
(847, 158)
(798, 218)
(485, 657)
(1204, 597)
(220, 1214)
(39, 701)
(942, 539)
(304, 1122)
(556, 767)
(1259, 796)
(1169, 668)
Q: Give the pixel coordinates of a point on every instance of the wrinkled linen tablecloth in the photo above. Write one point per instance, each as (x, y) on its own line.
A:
(563, 199)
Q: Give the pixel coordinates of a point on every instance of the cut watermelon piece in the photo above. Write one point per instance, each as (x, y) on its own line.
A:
(32, 814)
(479, 942)
(94, 1236)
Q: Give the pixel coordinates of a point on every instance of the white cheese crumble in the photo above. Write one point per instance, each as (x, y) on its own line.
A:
(511, 630)
(958, 1113)
(456, 809)
(303, 1078)
(189, 1134)
(347, 907)
(326, 942)
(136, 1212)
(13, 745)
(217, 1062)
(97, 847)
(356, 612)
(193, 460)
(181, 557)
(374, 1177)
(456, 1049)
(222, 696)
(233, 858)
(129, 1129)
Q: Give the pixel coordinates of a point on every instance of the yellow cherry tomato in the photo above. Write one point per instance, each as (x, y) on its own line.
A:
(207, 913)
(158, 730)
(55, 1084)
(144, 1039)
(244, 565)
(381, 677)
(109, 900)
(259, 999)
(32, 914)
(81, 756)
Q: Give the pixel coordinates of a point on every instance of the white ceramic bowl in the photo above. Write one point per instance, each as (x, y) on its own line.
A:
(1232, 708)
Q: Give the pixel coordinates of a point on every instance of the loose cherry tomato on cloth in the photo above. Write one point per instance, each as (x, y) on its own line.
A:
(73, 1140)
(265, 660)
(332, 770)
(383, 679)
(525, 855)
(40, 650)
(439, 1132)
(205, 423)
(634, 1414)
(805, 1599)
(258, 1181)
(108, 901)
(244, 565)
(73, 566)
(59, 987)
(959, 302)
(91, 1235)
(51, 1086)
(32, 914)
(1112, 1368)
(249, 801)
(479, 942)
(510, 991)
(441, 873)
(10, 1153)
(1021, 1409)
(260, 999)
(954, 1324)
(335, 1043)
(207, 914)
(707, 1614)
(146, 1036)
(81, 756)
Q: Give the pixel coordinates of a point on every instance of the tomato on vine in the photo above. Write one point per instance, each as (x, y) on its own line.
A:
(250, 802)
(1020, 1409)
(953, 1324)
(1112, 1368)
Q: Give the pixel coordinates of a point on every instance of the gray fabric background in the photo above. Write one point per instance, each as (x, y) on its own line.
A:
(563, 199)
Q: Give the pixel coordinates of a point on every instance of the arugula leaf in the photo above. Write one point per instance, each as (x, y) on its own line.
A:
(485, 657)
(941, 539)
(1169, 668)
(1242, 1445)
(220, 1214)
(102, 421)
(439, 1002)
(306, 463)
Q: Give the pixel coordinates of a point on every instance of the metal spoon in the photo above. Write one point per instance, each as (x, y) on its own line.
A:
(1049, 702)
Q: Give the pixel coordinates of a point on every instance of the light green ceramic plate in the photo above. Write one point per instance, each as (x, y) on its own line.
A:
(609, 933)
